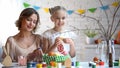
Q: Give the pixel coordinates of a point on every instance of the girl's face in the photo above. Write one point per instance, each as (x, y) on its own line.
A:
(59, 18)
(28, 24)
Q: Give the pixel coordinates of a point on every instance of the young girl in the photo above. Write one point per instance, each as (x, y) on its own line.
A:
(59, 40)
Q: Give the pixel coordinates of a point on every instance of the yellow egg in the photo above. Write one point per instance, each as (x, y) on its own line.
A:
(61, 37)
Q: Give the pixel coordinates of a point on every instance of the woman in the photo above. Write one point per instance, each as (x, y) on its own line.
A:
(25, 42)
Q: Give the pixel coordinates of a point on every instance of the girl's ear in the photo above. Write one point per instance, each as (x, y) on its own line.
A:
(52, 18)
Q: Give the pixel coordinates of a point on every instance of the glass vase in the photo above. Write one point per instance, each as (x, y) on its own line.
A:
(104, 52)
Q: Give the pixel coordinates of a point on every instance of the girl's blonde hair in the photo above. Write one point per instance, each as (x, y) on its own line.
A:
(56, 8)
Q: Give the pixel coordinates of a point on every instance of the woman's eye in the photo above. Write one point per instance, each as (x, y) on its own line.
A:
(28, 19)
(34, 22)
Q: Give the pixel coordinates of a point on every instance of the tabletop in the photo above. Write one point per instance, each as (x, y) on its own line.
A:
(82, 65)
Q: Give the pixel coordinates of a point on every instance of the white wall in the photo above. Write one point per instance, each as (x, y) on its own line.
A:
(9, 13)
(10, 10)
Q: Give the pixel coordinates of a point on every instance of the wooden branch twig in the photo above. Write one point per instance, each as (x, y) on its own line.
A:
(113, 21)
(107, 33)
(115, 28)
(108, 22)
(101, 27)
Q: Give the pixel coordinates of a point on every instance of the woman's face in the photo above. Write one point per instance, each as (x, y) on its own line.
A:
(59, 18)
(28, 24)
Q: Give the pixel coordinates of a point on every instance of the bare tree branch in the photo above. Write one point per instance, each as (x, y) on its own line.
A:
(106, 18)
(113, 21)
(102, 29)
(112, 24)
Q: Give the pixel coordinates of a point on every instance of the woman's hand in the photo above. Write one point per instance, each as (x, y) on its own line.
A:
(36, 55)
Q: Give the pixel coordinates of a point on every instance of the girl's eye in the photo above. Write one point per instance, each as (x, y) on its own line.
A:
(60, 18)
(57, 18)
(63, 18)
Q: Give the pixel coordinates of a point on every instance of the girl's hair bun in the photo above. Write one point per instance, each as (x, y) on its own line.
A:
(56, 8)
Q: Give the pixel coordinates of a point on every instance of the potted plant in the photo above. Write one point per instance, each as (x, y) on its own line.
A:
(90, 34)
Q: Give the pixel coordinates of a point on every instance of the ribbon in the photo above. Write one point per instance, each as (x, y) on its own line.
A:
(92, 10)
(81, 11)
(26, 5)
(70, 12)
(36, 7)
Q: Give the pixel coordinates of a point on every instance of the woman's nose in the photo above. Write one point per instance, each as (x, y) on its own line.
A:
(31, 22)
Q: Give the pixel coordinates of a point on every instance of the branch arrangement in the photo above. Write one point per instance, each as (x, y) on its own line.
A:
(112, 25)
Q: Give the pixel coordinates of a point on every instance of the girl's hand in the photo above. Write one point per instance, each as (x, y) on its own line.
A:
(72, 47)
(59, 44)
(58, 41)
(68, 41)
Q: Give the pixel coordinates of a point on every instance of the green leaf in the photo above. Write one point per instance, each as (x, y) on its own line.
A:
(90, 33)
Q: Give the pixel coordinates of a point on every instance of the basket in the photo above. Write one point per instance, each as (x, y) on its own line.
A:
(47, 58)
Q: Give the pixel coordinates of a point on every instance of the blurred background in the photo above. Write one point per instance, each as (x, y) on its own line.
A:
(82, 14)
